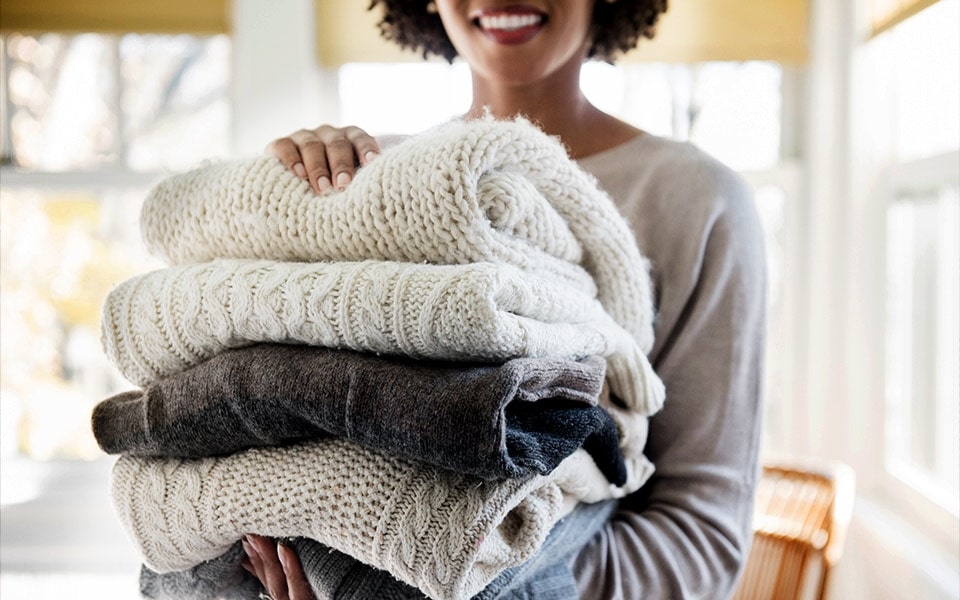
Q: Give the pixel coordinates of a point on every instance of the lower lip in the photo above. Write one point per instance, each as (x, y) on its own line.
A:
(513, 36)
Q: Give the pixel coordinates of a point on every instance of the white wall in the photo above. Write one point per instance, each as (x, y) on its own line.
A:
(277, 86)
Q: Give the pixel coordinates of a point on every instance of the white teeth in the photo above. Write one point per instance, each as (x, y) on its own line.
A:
(509, 22)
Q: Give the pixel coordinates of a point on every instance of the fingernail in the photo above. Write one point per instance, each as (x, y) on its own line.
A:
(342, 180)
(248, 548)
(300, 171)
(282, 554)
(324, 184)
(370, 155)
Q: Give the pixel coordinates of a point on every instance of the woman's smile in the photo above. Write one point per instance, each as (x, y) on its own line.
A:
(511, 44)
(509, 25)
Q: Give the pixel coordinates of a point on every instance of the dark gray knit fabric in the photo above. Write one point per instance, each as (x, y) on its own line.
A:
(492, 421)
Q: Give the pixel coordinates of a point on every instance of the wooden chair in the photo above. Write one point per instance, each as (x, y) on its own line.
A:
(800, 522)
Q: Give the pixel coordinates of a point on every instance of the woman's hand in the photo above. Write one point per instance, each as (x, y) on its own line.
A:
(277, 567)
(327, 157)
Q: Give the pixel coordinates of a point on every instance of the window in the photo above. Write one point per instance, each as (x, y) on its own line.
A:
(89, 101)
(89, 121)
(922, 247)
(923, 344)
(918, 190)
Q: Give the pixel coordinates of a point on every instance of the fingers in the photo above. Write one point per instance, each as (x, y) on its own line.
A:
(364, 144)
(296, 580)
(287, 151)
(327, 157)
(277, 567)
(266, 563)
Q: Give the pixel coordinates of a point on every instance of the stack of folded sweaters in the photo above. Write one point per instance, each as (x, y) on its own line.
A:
(405, 377)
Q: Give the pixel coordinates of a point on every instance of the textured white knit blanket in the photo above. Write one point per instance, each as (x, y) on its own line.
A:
(166, 321)
(446, 534)
(464, 192)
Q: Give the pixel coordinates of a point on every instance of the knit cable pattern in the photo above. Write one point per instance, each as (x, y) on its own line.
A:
(445, 533)
(164, 322)
(464, 192)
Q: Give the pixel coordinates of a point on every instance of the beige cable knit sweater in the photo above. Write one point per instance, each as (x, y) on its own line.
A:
(447, 534)
(164, 322)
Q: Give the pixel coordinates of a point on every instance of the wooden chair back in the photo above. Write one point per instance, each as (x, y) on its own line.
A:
(801, 517)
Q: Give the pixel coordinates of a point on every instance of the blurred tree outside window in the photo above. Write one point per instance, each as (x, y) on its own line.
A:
(89, 121)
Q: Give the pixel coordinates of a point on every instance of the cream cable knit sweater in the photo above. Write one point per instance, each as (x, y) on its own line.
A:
(447, 534)
(166, 321)
(466, 191)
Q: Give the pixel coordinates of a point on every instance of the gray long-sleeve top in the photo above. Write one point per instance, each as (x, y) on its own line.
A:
(686, 533)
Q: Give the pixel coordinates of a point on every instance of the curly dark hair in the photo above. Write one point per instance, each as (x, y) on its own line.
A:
(617, 26)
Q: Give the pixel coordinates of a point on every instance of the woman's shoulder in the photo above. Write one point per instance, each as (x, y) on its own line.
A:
(676, 196)
(656, 169)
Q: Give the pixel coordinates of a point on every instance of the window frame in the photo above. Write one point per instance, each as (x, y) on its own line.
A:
(898, 183)
(878, 178)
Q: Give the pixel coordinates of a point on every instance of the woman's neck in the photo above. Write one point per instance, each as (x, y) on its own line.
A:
(559, 108)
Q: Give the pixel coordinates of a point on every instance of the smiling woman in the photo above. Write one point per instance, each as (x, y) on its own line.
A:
(705, 103)
(708, 268)
(850, 141)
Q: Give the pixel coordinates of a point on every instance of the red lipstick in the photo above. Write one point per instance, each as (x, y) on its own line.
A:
(511, 24)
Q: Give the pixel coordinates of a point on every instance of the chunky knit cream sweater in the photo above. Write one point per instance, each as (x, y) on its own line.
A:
(445, 533)
(164, 322)
(464, 192)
